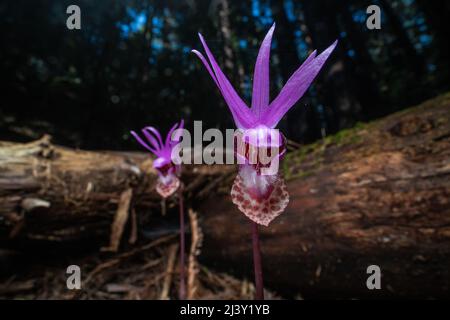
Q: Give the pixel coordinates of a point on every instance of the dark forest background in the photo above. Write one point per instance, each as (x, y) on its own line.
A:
(130, 64)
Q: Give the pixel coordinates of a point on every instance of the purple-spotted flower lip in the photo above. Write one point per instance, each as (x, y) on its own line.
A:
(263, 112)
(155, 144)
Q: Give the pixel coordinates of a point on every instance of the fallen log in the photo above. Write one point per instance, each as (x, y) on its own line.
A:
(50, 193)
(54, 193)
(378, 194)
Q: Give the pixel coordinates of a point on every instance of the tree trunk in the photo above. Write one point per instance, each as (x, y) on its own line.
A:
(339, 90)
(413, 58)
(374, 195)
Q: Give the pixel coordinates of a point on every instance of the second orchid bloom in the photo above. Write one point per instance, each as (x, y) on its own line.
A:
(168, 181)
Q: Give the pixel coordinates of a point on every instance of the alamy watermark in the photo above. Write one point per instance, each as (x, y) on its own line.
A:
(374, 280)
(73, 281)
(74, 20)
(260, 147)
(374, 19)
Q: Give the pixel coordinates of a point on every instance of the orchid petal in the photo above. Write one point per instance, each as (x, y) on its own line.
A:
(177, 135)
(169, 134)
(295, 87)
(169, 139)
(239, 109)
(155, 143)
(206, 64)
(144, 144)
(236, 118)
(156, 133)
(261, 87)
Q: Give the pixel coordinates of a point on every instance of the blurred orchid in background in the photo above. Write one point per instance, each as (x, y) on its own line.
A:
(168, 181)
(168, 178)
(262, 196)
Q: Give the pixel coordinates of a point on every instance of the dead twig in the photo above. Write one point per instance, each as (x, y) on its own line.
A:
(17, 287)
(120, 220)
(169, 271)
(127, 254)
(134, 232)
(196, 240)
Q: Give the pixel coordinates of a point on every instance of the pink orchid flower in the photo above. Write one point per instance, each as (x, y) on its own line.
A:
(168, 181)
(262, 197)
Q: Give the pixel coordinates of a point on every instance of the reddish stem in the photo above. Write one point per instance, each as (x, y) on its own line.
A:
(259, 295)
(182, 290)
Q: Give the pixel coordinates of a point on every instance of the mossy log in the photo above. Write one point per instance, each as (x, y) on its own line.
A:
(378, 194)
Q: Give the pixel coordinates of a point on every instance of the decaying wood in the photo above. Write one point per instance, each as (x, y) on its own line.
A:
(172, 257)
(120, 219)
(377, 194)
(60, 193)
(133, 234)
(196, 243)
(16, 287)
(56, 194)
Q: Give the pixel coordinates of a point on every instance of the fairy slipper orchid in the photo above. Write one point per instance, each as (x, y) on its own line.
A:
(168, 181)
(258, 190)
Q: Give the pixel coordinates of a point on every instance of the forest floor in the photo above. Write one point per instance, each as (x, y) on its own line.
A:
(149, 270)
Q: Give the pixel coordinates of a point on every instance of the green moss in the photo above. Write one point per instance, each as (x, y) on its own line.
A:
(312, 155)
(346, 136)
(306, 160)
(441, 121)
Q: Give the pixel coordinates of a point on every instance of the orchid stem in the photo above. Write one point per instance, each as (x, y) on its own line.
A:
(163, 206)
(182, 290)
(259, 295)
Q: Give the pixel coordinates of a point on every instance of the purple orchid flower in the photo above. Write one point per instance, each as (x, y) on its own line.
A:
(168, 181)
(262, 197)
(259, 194)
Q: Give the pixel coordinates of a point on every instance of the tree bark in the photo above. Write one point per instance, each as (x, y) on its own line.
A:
(375, 195)
(56, 194)
(53, 193)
